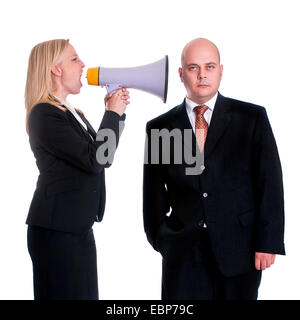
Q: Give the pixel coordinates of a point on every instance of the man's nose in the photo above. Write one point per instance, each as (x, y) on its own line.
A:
(201, 73)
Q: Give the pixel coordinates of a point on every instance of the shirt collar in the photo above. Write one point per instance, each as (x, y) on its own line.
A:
(73, 111)
(66, 104)
(190, 105)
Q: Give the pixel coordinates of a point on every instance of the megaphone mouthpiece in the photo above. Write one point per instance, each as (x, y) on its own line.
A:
(92, 76)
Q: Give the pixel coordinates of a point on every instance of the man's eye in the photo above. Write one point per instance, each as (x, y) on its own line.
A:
(74, 59)
(210, 67)
(192, 68)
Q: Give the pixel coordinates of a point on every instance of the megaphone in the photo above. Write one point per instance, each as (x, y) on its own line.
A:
(152, 78)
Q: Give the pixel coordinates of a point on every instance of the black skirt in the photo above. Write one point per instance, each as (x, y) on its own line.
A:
(64, 264)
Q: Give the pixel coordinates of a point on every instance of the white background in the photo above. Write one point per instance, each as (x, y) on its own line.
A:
(259, 45)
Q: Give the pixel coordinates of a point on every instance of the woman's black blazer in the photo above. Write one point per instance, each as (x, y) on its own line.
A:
(70, 190)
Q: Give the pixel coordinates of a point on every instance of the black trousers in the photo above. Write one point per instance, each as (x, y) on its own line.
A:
(198, 278)
(64, 264)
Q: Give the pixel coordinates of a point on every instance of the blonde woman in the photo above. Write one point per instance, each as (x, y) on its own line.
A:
(70, 190)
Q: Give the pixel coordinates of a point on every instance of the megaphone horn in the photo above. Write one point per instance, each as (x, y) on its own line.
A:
(152, 78)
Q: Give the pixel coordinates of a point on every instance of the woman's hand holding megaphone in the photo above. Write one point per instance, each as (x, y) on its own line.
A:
(117, 101)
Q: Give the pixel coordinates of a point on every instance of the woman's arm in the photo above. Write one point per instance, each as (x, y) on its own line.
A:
(50, 129)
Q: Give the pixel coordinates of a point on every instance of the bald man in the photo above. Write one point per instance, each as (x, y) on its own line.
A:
(219, 226)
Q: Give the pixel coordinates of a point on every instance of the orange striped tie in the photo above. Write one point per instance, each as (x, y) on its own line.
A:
(201, 126)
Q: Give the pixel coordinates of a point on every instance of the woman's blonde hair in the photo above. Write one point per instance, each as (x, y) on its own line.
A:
(39, 83)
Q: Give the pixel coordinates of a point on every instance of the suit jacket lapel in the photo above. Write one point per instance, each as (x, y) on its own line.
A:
(78, 126)
(182, 122)
(218, 124)
(91, 130)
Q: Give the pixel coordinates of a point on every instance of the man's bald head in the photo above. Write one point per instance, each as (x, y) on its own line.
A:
(201, 71)
(199, 44)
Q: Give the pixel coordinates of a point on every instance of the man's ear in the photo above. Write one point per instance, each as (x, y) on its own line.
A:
(56, 70)
(221, 69)
(180, 73)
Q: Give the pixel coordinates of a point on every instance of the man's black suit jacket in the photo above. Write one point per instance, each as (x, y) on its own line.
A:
(70, 191)
(239, 195)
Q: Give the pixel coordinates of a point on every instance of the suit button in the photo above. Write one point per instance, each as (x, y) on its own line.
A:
(200, 223)
(205, 195)
(94, 190)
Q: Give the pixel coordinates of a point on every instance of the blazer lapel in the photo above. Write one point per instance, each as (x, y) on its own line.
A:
(182, 122)
(91, 130)
(218, 124)
(78, 126)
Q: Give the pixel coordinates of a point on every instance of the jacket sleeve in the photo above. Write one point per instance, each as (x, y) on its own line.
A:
(269, 189)
(155, 195)
(50, 129)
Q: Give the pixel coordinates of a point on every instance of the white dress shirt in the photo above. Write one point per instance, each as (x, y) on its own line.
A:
(73, 111)
(75, 114)
(190, 105)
